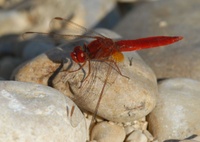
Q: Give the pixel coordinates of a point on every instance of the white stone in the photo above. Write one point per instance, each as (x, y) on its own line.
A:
(176, 115)
(129, 129)
(107, 132)
(32, 112)
(148, 135)
(136, 136)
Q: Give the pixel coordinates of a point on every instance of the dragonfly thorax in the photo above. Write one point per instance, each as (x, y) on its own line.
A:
(101, 48)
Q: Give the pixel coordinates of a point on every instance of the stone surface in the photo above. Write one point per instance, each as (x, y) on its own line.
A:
(167, 17)
(36, 17)
(196, 138)
(108, 132)
(123, 99)
(136, 136)
(140, 124)
(32, 112)
(176, 115)
(192, 138)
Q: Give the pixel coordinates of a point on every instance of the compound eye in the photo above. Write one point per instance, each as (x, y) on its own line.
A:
(81, 57)
(78, 55)
(74, 58)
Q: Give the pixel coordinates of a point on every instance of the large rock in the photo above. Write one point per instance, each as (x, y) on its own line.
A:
(32, 112)
(176, 115)
(167, 17)
(123, 99)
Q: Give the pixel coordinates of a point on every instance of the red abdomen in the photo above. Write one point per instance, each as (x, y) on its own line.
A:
(143, 43)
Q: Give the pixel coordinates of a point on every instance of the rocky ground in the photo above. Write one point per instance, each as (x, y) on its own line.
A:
(158, 102)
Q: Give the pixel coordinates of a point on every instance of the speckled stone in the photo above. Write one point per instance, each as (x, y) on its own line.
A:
(176, 115)
(33, 112)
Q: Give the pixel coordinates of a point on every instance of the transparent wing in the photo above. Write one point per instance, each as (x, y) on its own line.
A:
(65, 26)
(62, 30)
(53, 36)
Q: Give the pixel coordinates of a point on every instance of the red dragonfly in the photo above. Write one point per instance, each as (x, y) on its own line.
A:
(105, 49)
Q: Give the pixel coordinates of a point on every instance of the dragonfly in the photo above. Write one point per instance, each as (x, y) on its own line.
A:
(106, 50)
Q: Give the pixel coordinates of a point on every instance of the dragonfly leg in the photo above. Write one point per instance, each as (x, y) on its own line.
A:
(119, 71)
(89, 71)
(93, 121)
(81, 66)
(117, 68)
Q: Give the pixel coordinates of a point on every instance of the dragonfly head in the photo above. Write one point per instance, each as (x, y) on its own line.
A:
(78, 55)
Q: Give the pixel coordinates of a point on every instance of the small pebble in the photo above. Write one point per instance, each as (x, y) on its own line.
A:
(107, 132)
